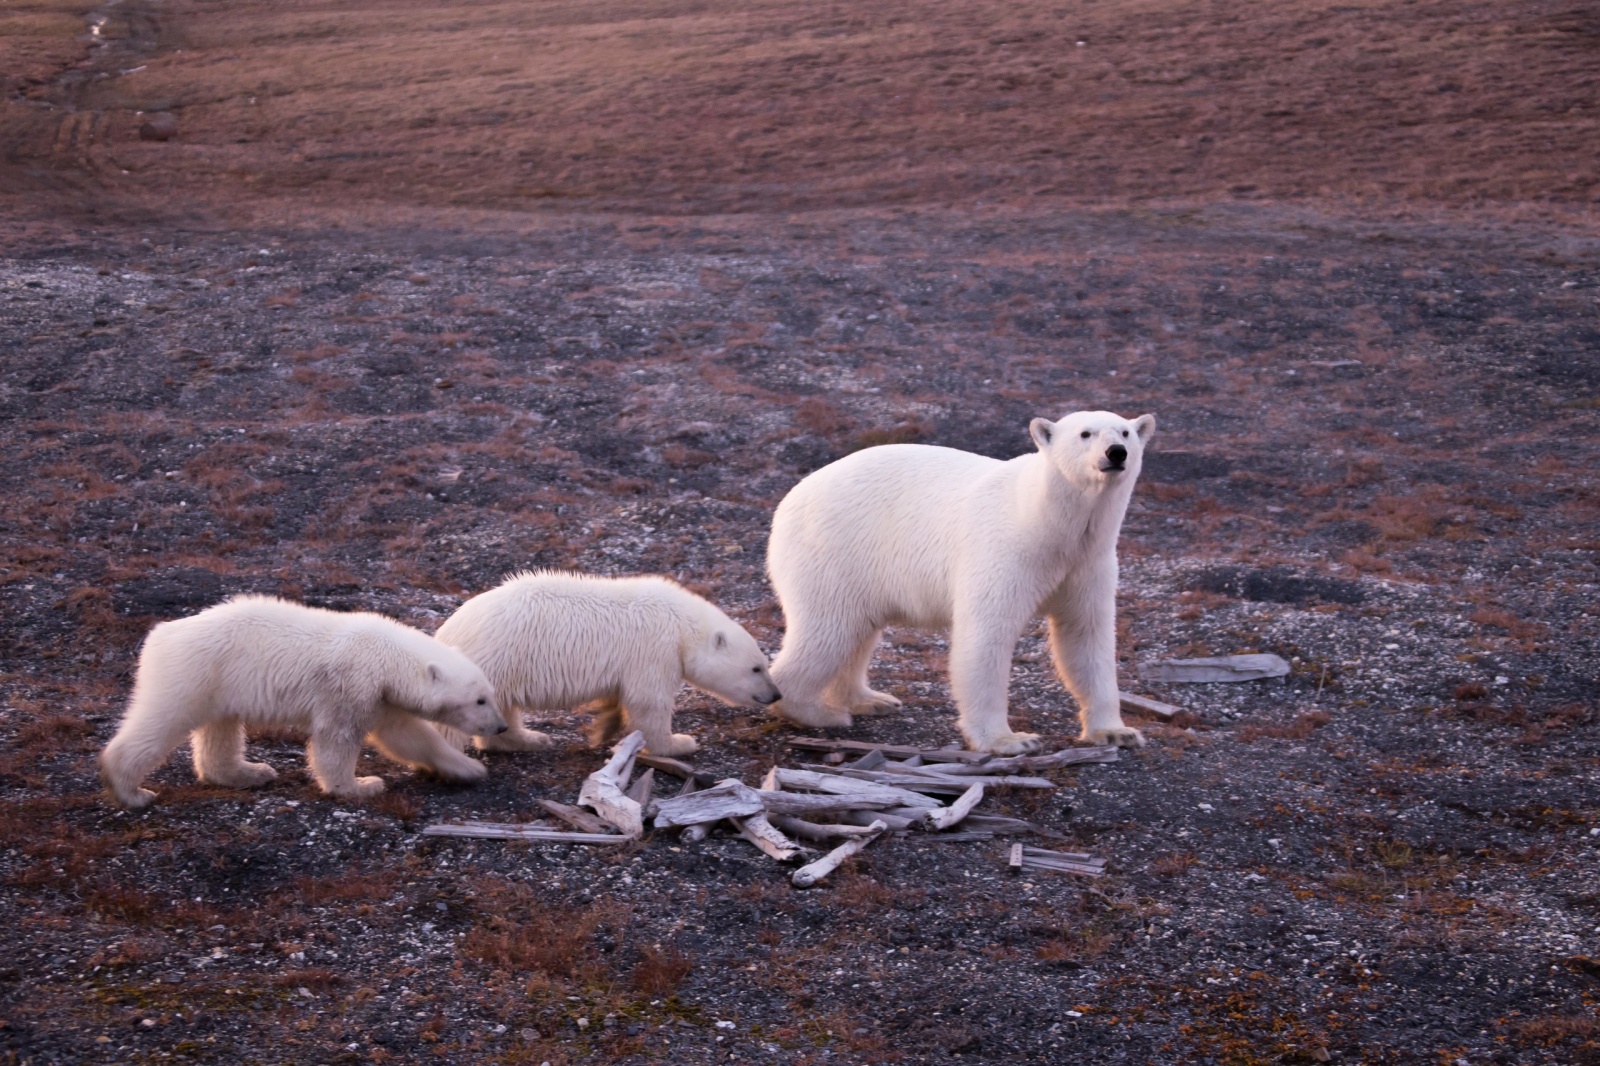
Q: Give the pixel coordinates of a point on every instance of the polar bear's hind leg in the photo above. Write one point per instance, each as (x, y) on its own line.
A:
(854, 691)
(219, 756)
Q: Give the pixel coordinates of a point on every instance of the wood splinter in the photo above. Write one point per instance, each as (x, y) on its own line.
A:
(945, 817)
(760, 832)
(811, 873)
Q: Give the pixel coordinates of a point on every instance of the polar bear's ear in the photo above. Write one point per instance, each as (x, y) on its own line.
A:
(1146, 426)
(1042, 430)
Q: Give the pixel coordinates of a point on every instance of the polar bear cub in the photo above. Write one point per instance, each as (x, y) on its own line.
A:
(261, 661)
(913, 535)
(552, 641)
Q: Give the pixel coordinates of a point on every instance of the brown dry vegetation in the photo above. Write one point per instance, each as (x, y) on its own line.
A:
(420, 294)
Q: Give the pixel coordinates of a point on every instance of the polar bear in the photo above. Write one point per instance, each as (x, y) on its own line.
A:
(550, 641)
(906, 534)
(262, 661)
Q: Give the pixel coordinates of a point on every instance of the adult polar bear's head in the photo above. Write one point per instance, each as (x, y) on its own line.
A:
(1094, 449)
(454, 692)
(724, 660)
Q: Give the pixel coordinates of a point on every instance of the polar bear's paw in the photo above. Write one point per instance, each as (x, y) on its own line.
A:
(466, 772)
(1121, 736)
(1013, 744)
(677, 744)
(362, 788)
(871, 701)
(514, 739)
(244, 775)
(817, 717)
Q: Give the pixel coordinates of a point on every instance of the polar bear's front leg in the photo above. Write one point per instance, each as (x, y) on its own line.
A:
(332, 756)
(219, 756)
(1083, 643)
(407, 739)
(980, 675)
(815, 653)
(650, 712)
(516, 738)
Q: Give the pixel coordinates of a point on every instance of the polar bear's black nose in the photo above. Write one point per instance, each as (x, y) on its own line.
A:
(1117, 454)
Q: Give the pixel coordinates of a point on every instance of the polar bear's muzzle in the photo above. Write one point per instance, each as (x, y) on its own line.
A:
(1116, 457)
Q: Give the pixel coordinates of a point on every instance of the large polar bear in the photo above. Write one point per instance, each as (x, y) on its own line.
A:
(907, 534)
(261, 661)
(550, 641)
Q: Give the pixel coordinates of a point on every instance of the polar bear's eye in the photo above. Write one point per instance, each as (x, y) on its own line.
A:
(482, 701)
(1124, 433)
(755, 669)
(1084, 434)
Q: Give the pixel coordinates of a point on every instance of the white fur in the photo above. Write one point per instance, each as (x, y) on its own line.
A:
(260, 661)
(552, 641)
(912, 535)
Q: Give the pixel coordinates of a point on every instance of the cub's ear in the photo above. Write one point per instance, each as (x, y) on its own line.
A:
(434, 672)
(1043, 431)
(1146, 426)
(722, 640)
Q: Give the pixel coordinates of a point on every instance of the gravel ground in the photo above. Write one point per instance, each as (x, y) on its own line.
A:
(1375, 458)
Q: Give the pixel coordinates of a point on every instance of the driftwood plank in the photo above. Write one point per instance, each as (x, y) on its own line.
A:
(1002, 826)
(872, 760)
(602, 790)
(1015, 859)
(726, 799)
(811, 873)
(1146, 705)
(513, 831)
(799, 827)
(836, 782)
(576, 817)
(1216, 668)
(897, 750)
(1033, 763)
(962, 837)
(641, 789)
(760, 832)
(945, 817)
(1070, 862)
(804, 803)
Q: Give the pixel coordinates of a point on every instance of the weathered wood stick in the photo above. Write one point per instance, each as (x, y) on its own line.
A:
(945, 817)
(811, 873)
(1071, 862)
(957, 838)
(1064, 867)
(1146, 705)
(896, 822)
(760, 832)
(839, 784)
(602, 790)
(799, 827)
(913, 761)
(872, 760)
(640, 790)
(512, 831)
(897, 750)
(1003, 826)
(1015, 861)
(726, 799)
(576, 817)
(675, 767)
(1065, 757)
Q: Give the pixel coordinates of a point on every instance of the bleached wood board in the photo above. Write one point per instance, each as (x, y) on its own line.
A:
(897, 750)
(513, 831)
(576, 817)
(945, 817)
(760, 832)
(799, 827)
(1146, 705)
(840, 784)
(939, 783)
(725, 799)
(602, 790)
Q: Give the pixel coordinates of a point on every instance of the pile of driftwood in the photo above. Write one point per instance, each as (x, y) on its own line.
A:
(885, 789)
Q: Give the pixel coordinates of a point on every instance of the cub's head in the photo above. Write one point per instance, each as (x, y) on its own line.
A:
(455, 693)
(1094, 449)
(726, 661)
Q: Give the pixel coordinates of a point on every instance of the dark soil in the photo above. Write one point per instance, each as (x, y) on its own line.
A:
(1375, 458)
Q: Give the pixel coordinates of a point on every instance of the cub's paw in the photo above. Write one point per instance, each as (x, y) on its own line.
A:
(514, 740)
(245, 775)
(138, 801)
(874, 702)
(677, 744)
(1013, 744)
(1122, 736)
